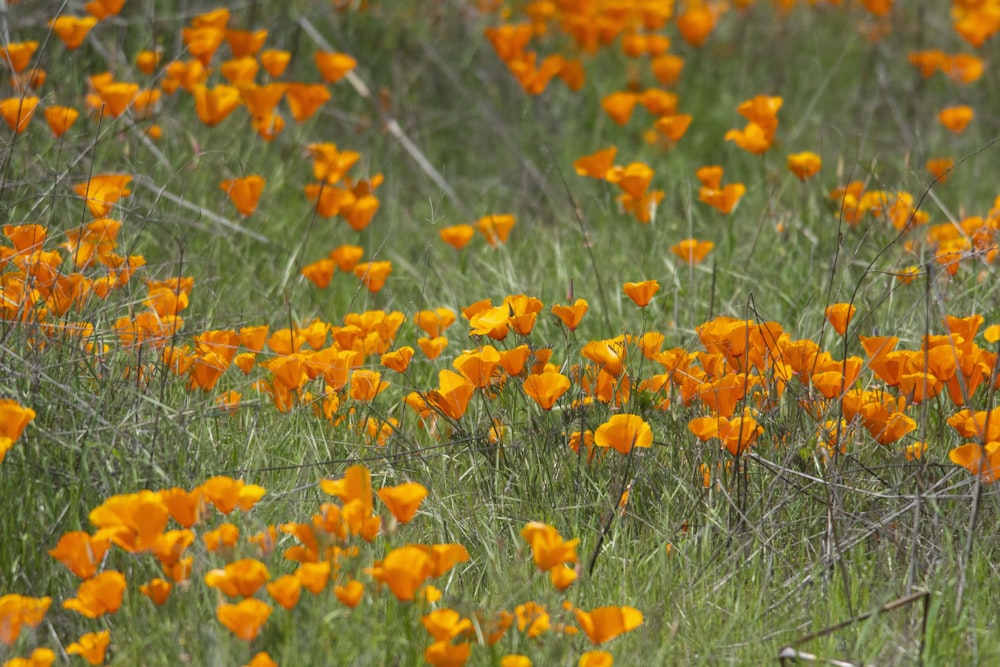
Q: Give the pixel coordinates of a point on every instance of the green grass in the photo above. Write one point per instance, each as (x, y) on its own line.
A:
(784, 546)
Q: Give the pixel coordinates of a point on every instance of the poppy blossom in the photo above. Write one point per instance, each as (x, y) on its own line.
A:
(60, 119)
(275, 61)
(17, 111)
(261, 659)
(673, 126)
(72, 30)
(667, 68)
(596, 659)
(940, 168)
(432, 347)
(571, 316)
(398, 360)
(350, 593)
(623, 432)
(102, 191)
(80, 552)
(496, 228)
(596, 165)
(334, 66)
(305, 99)
(244, 192)
(692, 251)
(314, 576)
(240, 578)
(226, 494)
(641, 293)
(619, 106)
(403, 570)
(445, 654)
(373, 274)
(320, 272)
(157, 590)
(285, 590)
(245, 618)
(457, 236)
(243, 43)
(17, 55)
(956, 118)
(91, 647)
(804, 165)
(366, 385)
(978, 459)
(839, 315)
(213, 105)
(452, 395)
(548, 548)
(99, 595)
(696, 23)
(546, 388)
(403, 500)
(605, 623)
(240, 71)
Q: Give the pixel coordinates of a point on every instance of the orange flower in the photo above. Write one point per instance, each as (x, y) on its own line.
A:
(285, 590)
(91, 647)
(240, 578)
(457, 236)
(940, 168)
(261, 659)
(240, 71)
(275, 61)
(403, 570)
(642, 293)
(373, 274)
(304, 99)
(596, 165)
(17, 112)
(243, 43)
(477, 366)
(14, 418)
(446, 624)
(804, 165)
(60, 119)
(982, 460)
(496, 228)
(147, 61)
(203, 41)
(334, 66)
(403, 500)
(956, 118)
(606, 623)
(596, 659)
(244, 192)
(99, 595)
(546, 388)
(452, 395)
(347, 257)
(432, 347)
(622, 432)
(244, 619)
(532, 619)
(667, 68)
(224, 537)
(18, 54)
(102, 191)
(226, 494)
(80, 552)
(350, 593)
(696, 23)
(548, 548)
(320, 272)
(692, 251)
(446, 654)
(17, 611)
(214, 104)
(314, 576)
(72, 30)
(571, 316)
(723, 200)
(398, 360)
(156, 590)
(839, 315)
(366, 385)
(673, 126)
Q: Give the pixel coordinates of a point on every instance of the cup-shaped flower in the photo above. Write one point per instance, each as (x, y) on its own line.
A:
(839, 316)
(596, 165)
(692, 250)
(546, 388)
(99, 595)
(606, 623)
(622, 432)
(334, 66)
(240, 578)
(956, 118)
(641, 293)
(804, 165)
(571, 316)
(548, 548)
(245, 618)
(91, 647)
(244, 192)
(403, 500)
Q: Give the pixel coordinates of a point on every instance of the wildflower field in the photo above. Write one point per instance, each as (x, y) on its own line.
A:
(548, 332)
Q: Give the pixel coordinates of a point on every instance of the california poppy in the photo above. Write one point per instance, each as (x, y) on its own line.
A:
(452, 395)
(275, 61)
(373, 274)
(596, 165)
(403, 500)
(496, 228)
(571, 316)
(244, 619)
(213, 105)
(244, 192)
(80, 552)
(243, 43)
(605, 623)
(157, 590)
(285, 590)
(956, 118)
(17, 111)
(99, 595)
(72, 30)
(692, 251)
(548, 548)
(60, 119)
(91, 647)
(839, 315)
(334, 66)
(17, 55)
(304, 99)
(622, 432)
(804, 165)
(641, 293)
(457, 236)
(102, 191)
(350, 593)
(546, 388)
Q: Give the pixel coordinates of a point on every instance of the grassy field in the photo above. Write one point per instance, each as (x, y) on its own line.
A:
(239, 298)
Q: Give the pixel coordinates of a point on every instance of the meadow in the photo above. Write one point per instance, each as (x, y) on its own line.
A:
(549, 332)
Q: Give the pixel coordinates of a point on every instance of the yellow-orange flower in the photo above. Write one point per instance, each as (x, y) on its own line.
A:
(804, 165)
(244, 192)
(642, 293)
(956, 118)
(245, 618)
(622, 432)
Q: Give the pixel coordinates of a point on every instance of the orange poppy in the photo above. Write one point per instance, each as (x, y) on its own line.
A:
(596, 165)
(804, 165)
(285, 590)
(91, 647)
(477, 366)
(320, 272)
(673, 126)
(17, 112)
(305, 99)
(17, 55)
(202, 42)
(275, 61)
(940, 168)
(839, 315)
(225, 536)
(157, 590)
(243, 43)
(99, 595)
(623, 432)
(366, 385)
(314, 576)
(350, 593)
(213, 105)
(226, 494)
(546, 388)
(403, 570)
(978, 459)
(692, 251)
(398, 360)
(445, 654)
(457, 236)
(956, 118)
(641, 293)
(261, 659)
(606, 623)
(403, 500)
(240, 71)
(696, 23)
(667, 68)
(244, 192)
(548, 548)
(571, 316)
(452, 395)
(373, 274)
(596, 659)
(72, 30)
(496, 228)
(725, 199)
(245, 618)
(334, 66)
(80, 552)
(619, 105)
(102, 191)
(60, 119)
